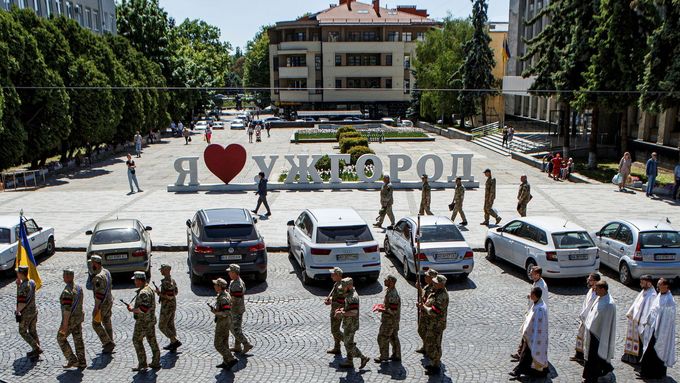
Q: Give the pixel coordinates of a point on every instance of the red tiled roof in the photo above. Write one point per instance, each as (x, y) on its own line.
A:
(365, 14)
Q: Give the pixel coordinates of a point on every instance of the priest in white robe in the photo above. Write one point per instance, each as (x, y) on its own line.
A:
(659, 335)
(533, 357)
(537, 277)
(632, 350)
(600, 336)
(588, 302)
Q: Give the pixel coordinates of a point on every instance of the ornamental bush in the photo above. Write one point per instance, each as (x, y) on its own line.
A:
(343, 129)
(348, 143)
(353, 134)
(358, 151)
(324, 163)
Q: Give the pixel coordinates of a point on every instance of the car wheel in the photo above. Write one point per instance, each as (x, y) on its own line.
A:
(306, 280)
(386, 246)
(407, 270)
(530, 265)
(195, 279)
(464, 276)
(51, 248)
(490, 250)
(624, 274)
(261, 277)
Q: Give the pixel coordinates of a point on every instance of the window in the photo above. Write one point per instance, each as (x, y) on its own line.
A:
(338, 83)
(105, 20)
(388, 83)
(659, 239)
(388, 60)
(533, 234)
(115, 236)
(317, 62)
(22, 4)
(392, 36)
(338, 60)
(403, 229)
(304, 223)
(440, 233)
(420, 36)
(610, 230)
(354, 36)
(368, 82)
(296, 61)
(297, 84)
(407, 61)
(573, 240)
(407, 36)
(79, 14)
(7, 5)
(319, 87)
(407, 85)
(625, 235)
(242, 232)
(5, 233)
(370, 36)
(314, 36)
(69, 10)
(276, 86)
(343, 234)
(333, 36)
(513, 227)
(95, 20)
(88, 18)
(276, 64)
(37, 7)
(112, 23)
(31, 227)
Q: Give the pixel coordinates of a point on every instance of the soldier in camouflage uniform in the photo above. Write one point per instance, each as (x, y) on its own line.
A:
(350, 324)
(457, 204)
(389, 323)
(237, 290)
(72, 317)
(426, 197)
(426, 290)
(489, 197)
(222, 311)
(336, 299)
(523, 196)
(26, 311)
(103, 303)
(145, 323)
(386, 202)
(167, 296)
(436, 308)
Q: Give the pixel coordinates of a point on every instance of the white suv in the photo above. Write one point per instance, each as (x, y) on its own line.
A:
(561, 248)
(637, 247)
(320, 239)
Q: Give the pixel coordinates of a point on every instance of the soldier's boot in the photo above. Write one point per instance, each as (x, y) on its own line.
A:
(247, 347)
(464, 223)
(348, 363)
(71, 363)
(82, 363)
(498, 220)
(155, 365)
(236, 348)
(364, 362)
(421, 350)
(395, 358)
(108, 348)
(335, 350)
(140, 367)
(380, 360)
(485, 223)
(432, 370)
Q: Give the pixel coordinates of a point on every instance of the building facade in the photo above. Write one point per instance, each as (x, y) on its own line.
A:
(351, 56)
(99, 16)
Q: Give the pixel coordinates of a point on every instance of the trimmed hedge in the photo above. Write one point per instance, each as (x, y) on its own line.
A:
(342, 130)
(358, 151)
(324, 163)
(348, 143)
(354, 134)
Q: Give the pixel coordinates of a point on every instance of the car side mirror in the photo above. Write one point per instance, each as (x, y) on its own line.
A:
(188, 223)
(40, 228)
(499, 230)
(290, 223)
(390, 227)
(89, 232)
(254, 220)
(148, 228)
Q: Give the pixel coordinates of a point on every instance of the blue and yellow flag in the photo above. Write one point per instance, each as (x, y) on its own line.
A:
(25, 255)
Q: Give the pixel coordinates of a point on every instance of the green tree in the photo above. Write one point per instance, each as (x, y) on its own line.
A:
(256, 66)
(12, 134)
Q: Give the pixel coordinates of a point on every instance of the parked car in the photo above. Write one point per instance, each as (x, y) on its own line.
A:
(237, 124)
(219, 237)
(218, 125)
(406, 124)
(639, 246)
(40, 238)
(272, 119)
(201, 125)
(562, 248)
(352, 119)
(320, 239)
(442, 246)
(124, 245)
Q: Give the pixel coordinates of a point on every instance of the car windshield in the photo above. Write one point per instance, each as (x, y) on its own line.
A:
(115, 236)
(440, 233)
(237, 232)
(660, 239)
(342, 234)
(4, 235)
(572, 240)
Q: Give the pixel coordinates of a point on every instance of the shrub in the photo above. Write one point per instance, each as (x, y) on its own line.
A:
(354, 134)
(324, 163)
(358, 151)
(347, 143)
(343, 130)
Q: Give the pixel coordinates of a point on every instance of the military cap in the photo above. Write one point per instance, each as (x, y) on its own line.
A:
(234, 268)
(431, 273)
(68, 271)
(646, 277)
(424, 175)
(139, 275)
(337, 270)
(220, 282)
(440, 279)
(391, 277)
(96, 258)
(165, 266)
(487, 170)
(22, 269)
(347, 282)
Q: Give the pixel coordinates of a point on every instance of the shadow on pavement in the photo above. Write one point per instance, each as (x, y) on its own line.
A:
(169, 359)
(454, 283)
(323, 288)
(145, 376)
(395, 370)
(23, 365)
(101, 362)
(226, 376)
(70, 376)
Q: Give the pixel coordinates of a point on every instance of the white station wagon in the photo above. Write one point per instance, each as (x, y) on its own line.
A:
(41, 239)
(561, 248)
(321, 239)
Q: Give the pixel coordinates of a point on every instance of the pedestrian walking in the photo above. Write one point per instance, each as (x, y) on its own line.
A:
(180, 129)
(676, 187)
(222, 312)
(386, 202)
(336, 299)
(436, 308)
(268, 127)
(208, 134)
(511, 136)
(600, 337)
(258, 133)
(237, 290)
(523, 196)
(659, 335)
(547, 163)
(138, 144)
(144, 312)
(251, 130)
(426, 197)
(457, 205)
(423, 323)
(505, 136)
(489, 197)
(588, 303)
(167, 297)
(388, 334)
(103, 304)
(26, 312)
(637, 313)
(557, 166)
(187, 136)
(131, 173)
(72, 316)
(651, 170)
(350, 325)
(533, 357)
(567, 169)
(262, 195)
(537, 277)
(624, 170)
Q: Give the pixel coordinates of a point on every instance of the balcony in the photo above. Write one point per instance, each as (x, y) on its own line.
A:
(367, 71)
(307, 46)
(293, 72)
(294, 95)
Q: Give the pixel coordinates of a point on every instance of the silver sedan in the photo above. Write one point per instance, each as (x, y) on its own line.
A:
(123, 244)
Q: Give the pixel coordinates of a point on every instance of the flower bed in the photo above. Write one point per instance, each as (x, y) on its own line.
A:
(348, 173)
(323, 134)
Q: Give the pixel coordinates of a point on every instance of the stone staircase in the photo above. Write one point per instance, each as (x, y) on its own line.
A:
(520, 143)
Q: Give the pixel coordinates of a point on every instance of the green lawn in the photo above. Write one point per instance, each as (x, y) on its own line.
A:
(318, 136)
(607, 170)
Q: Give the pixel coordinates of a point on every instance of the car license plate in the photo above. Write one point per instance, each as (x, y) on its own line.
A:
(578, 257)
(348, 257)
(116, 257)
(233, 257)
(447, 256)
(664, 257)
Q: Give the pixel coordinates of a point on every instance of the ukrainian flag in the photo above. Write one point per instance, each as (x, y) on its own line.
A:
(25, 256)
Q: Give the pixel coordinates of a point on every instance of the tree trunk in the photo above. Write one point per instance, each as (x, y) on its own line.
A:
(564, 120)
(483, 102)
(592, 144)
(574, 114)
(623, 147)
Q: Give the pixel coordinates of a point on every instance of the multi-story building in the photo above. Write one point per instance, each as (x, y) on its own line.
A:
(99, 16)
(350, 56)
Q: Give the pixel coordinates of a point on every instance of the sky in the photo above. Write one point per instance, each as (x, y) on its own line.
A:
(239, 20)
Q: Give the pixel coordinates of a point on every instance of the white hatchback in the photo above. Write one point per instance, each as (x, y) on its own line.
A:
(321, 239)
(561, 248)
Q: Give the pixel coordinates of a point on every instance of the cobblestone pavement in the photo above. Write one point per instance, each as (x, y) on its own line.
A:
(288, 324)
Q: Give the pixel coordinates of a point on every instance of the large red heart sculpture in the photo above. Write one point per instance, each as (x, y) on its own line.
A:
(225, 163)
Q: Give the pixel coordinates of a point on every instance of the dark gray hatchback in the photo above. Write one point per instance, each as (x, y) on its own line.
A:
(219, 237)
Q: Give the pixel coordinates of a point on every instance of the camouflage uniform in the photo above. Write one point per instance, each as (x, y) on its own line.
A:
(435, 309)
(489, 197)
(422, 324)
(523, 198)
(458, 203)
(236, 291)
(386, 202)
(102, 293)
(71, 301)
(29, 315)
(425, 199)
(168, 300)
(222, 326)
(337, 301)
(389, 325)
(145, 326)
(350, 325)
